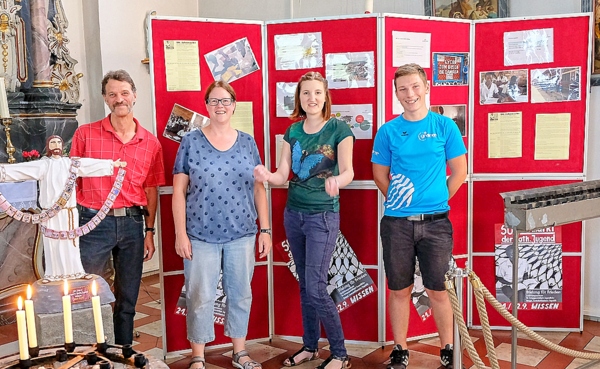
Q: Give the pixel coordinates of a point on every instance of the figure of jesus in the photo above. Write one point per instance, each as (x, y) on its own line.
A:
(61, 256)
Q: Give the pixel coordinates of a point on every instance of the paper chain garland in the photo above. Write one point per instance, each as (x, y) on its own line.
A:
(46, 214)
(93, 223)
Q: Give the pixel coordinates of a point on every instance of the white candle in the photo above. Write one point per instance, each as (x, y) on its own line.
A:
(97, 315)
(30, 314)
(66, 300)
(22, 331)
(4, 113)
(368, 6)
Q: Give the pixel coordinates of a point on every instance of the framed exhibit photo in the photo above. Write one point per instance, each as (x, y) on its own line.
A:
(596, 66)
(470, 9)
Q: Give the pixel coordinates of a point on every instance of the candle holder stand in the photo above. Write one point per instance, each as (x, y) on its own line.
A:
(70, 346)
(34, 351)
(25, 364)
(57, 357)
(10, 149)
(101, 347)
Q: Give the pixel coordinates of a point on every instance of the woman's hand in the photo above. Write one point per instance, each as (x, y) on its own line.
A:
(264, 244)
(183, 246)
(332, 186)
(262, 174)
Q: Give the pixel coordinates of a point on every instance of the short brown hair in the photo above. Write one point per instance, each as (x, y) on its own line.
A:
(224, 85)
(298, 111)
(408, 69)
(118, 75)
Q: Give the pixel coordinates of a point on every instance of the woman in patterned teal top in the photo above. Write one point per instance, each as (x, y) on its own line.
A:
(318, 151)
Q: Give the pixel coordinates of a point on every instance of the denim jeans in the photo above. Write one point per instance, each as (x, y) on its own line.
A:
(312, 241)
(236, 259)
(123, 237)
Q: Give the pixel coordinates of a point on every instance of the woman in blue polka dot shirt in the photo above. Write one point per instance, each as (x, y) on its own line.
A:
(216, 202)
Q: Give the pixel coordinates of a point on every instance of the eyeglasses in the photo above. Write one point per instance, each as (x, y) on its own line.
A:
(225, 101)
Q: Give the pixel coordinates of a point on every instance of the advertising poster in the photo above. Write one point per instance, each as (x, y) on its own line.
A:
(540, 268)
(348, 280)
(450, 69)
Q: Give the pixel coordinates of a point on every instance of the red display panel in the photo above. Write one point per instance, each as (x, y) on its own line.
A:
(568, 317)
(460, 219)
(288, 314)
(571, 37)
(359, 35)
(210, 35)
(488, 210)
(439, 29)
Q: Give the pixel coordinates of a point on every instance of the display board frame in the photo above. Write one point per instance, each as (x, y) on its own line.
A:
(267, 125)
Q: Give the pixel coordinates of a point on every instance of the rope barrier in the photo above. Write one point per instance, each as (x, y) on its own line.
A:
(482, 294)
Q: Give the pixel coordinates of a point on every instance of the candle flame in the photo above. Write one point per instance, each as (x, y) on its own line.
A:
(66, 287)
(20, 303)
(29, 292)
(94, 288)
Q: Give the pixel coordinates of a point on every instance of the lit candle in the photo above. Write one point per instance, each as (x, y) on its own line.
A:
(97, 315)
(30, 314)
(22, 331)
(4, 113)
(66, 300)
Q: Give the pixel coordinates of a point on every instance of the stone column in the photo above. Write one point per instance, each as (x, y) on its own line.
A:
(42, 71)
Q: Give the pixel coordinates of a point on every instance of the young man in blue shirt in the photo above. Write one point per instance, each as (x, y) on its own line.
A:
(409, 159)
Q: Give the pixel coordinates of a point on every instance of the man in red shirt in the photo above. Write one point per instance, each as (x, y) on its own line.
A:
(127, 230)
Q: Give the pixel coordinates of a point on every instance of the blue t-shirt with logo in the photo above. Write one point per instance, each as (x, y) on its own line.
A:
(220, 197)
(416, 152)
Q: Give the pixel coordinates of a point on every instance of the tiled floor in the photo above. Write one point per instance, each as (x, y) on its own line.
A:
(424, 354)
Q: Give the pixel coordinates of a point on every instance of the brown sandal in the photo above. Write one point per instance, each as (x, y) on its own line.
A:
(291, 362)
(197, 360)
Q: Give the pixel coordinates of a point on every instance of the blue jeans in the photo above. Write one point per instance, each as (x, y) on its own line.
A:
(123, 237)
(236, 259)
(312, 241)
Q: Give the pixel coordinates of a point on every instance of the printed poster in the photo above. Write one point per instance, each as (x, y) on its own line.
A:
(219, 308)
(232, 61)
(529, 47)
(359, 118)
(298, 51)
(348, 280)
(540, 268)
(450, 69)
(182, 65)
(350, 70)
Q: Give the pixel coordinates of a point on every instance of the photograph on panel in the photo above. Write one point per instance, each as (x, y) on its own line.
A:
(450, 69)
(181, 121)
(285, 98)
(457, 113)
(466, 9)
(232, 61)
(298, 51)
(359, 118)
(539, 270)
(504, 86)
(350, 70)
(555, 84)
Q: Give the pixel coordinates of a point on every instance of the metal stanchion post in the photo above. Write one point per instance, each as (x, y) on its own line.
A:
(515, 296)
(459, 275)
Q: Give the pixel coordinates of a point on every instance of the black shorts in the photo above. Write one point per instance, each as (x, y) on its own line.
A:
(430, 241)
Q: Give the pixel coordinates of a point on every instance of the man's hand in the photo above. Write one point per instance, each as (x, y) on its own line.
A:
(148, 246)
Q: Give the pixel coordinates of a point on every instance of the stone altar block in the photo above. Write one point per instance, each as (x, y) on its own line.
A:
(51, 331)
(49, 323)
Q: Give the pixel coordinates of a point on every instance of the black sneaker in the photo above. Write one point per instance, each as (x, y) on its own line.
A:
(447, 357)
(398, 358)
